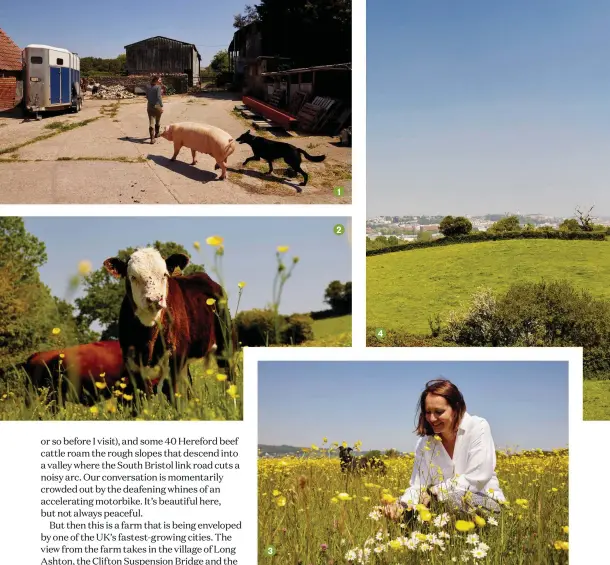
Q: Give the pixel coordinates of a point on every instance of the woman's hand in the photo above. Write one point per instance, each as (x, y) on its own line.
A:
(392, 511)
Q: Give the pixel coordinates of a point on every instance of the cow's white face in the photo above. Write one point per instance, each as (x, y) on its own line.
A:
(147, 275)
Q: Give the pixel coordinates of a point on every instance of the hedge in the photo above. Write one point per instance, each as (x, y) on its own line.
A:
(486, 236)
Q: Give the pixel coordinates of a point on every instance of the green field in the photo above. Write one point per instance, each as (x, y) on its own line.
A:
(406, 288)
(331, 327)
(596, 400)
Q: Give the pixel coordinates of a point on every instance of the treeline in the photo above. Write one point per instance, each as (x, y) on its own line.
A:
(95, 66)
(459, 230)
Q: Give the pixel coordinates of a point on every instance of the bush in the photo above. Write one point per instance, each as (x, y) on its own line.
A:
(487, 236)
(451, 226)
(256, 328)
(542, 314)
(399, 338)
(297, 330)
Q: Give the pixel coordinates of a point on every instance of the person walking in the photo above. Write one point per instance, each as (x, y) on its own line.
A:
(154, 107)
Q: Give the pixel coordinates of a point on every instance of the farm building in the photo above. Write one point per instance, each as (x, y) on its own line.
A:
(11, 68)
(163, 55)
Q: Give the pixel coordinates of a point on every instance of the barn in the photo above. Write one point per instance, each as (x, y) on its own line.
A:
(163, 55)
(11, 68)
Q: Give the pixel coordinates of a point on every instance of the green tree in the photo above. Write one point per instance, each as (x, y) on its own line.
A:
(309, 32)
(451, 226)
(28, 311)
(509, 223)
(249, 15)
(569, 224)
(220, 62)
(339, 297)
(104, 294)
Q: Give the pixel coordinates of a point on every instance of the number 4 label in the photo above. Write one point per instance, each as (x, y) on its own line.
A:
(380, 333)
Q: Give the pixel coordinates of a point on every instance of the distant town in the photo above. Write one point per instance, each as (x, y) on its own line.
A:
(409, 228)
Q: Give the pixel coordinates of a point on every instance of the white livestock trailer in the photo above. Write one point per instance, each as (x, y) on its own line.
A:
(52, 80)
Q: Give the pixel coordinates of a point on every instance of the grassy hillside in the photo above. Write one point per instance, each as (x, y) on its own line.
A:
(332, 326)
(405, 288)
(596, 400)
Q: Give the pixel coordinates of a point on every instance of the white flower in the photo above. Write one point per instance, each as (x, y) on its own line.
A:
(492, 521)
(375, 515)
(425, 547)
(411, 543)
(444, 535)
(379, 535)
(369, 542)
(379, 549)
(478, 553)
(483, 546)
(465, 558)
(350, 555)
(472, 539)
(441, 520)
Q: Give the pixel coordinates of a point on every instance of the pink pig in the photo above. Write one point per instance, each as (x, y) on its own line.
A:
(203, 138)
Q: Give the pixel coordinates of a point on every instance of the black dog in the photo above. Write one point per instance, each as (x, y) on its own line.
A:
(270, 150)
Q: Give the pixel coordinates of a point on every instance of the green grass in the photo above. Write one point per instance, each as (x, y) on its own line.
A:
(207, 400)
(596, 400)
(332, 326)
(405, 288)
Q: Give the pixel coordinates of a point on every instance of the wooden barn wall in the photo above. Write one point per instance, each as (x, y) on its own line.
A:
(160, 55)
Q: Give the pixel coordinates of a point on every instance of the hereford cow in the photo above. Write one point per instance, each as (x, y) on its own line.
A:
(165, 321)
(74, 371)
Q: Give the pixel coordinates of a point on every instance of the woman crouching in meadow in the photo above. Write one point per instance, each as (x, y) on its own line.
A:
(455, 457)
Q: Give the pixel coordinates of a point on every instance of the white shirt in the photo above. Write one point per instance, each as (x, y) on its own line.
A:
(471, 469)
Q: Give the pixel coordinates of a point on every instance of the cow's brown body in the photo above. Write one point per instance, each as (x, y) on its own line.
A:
(80, 368)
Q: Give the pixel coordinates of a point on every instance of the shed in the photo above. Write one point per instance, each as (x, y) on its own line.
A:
(163, 55)
(11, 69)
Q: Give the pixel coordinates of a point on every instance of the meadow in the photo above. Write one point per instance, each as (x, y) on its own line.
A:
(405, 289)
(331, 327)
(596, 400)
(210, 397)
(310, 512)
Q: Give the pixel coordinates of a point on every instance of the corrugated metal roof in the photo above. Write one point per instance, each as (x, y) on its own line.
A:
(163, 37)
(10, 54)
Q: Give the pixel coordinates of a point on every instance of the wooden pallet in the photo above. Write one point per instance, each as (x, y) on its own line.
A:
(296, 102)
(309, 116)
(277, 97)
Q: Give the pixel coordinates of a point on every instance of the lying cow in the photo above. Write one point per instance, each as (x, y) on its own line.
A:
(78, 370)
(203, 138)
(349, 463)
(165, 321)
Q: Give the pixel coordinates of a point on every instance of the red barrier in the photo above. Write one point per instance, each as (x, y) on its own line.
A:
(270, 112)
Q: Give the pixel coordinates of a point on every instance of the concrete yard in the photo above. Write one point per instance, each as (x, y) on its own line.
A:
(111, 161)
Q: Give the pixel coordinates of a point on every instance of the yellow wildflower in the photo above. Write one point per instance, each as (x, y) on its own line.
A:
(214, 240)
(464, 526)
(282, 249)
(220, 377)
(197, 245)
(55, 331)
(84, 268)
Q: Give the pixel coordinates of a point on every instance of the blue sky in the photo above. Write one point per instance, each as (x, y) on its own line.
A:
(95, 29)
(250, 247)
(478, 106)
(525, 403)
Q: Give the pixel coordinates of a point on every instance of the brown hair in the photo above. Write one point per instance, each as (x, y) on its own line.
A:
(154, 79)
(446, 389)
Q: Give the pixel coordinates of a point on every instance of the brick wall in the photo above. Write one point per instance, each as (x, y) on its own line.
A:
(8, 86)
